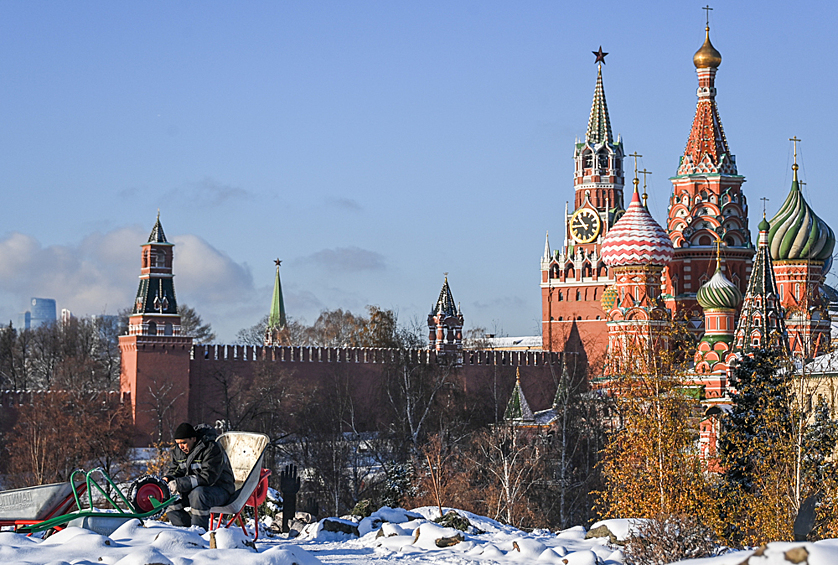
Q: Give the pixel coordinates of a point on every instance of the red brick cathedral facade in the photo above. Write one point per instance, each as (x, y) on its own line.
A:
(701, 274)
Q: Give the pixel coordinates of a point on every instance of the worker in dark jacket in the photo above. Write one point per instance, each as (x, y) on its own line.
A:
(201, 474)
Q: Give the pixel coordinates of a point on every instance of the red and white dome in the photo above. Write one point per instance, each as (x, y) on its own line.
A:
(636, 239)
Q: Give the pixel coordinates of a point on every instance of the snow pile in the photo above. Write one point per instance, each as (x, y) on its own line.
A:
(156, 542)
(413, 537)
(824, 552)
(390, 534)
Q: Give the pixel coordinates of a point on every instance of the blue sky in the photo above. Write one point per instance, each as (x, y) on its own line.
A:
(370, 145)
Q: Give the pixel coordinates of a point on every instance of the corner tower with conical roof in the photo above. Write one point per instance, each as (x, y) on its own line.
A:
(574, 278)
(155, 355)
(276, 319)
(445, 327)
(801, 245)
(707, 203)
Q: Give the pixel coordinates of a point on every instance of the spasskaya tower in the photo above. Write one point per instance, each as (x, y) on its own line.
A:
(574, 277)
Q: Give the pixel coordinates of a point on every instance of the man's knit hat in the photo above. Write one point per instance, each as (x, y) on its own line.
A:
(185, 431)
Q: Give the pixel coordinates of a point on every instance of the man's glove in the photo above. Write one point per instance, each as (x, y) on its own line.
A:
(173, 487)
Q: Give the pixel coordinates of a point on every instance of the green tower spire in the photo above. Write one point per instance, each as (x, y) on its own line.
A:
(518, 409)
(276, 319)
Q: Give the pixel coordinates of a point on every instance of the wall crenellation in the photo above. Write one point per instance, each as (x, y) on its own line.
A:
(366, 355)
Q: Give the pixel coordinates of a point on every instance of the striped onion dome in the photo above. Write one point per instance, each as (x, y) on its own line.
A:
(797, 233)
(636, 239)
(718, 292)
(609, 298)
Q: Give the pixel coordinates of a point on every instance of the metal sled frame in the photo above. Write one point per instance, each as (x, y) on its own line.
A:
(88, 485)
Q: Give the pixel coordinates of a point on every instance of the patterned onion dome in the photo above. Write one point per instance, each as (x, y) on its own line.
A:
(609, 298)
(719, 292)
(797, 233)
(636, 239)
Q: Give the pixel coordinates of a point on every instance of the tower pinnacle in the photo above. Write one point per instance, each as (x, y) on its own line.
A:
(276, 318)
(599, 124)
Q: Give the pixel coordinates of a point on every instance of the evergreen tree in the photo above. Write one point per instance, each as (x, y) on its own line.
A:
(820, 440)
(760, 420)
(775, 448)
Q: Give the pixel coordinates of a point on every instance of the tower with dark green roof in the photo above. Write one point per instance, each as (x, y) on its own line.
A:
(155, 355)
(801, 246)
(155, 306)
(445, 327)
(276, 318)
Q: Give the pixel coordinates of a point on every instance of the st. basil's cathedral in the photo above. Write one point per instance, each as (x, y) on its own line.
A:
(620, 281)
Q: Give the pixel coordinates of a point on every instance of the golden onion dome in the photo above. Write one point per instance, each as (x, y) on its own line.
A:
(707, 56)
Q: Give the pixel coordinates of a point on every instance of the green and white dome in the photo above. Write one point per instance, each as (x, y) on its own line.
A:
(718, 292)
(798, 234)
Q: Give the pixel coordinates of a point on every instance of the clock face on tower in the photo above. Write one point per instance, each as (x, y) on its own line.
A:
(584, 225)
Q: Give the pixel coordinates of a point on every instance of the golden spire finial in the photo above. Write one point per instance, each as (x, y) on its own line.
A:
(636, 180)
(707, 56)
(718, 252)
(794, 167)
(764, 202)
(518, 375)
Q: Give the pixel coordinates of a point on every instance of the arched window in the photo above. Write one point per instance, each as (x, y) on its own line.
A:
(168, 329)
(152, 328)
(577, 295)
(704, 240)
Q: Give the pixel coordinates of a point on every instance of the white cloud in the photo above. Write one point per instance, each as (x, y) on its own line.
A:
(347, 260)
(99, 275)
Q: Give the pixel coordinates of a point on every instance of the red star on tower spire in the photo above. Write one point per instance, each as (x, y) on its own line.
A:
(600, 56)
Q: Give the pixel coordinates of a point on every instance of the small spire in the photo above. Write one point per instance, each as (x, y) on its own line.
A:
(518, 408)
(645, 196)
(157, 235)
(718, 253)
(445, 303)
(636, 181)
(547, 246)
(794, 167)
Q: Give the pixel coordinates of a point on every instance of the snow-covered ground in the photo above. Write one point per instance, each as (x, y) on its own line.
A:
(389, 535)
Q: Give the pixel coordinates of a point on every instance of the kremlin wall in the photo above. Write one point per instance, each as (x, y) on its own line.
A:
(611, 293)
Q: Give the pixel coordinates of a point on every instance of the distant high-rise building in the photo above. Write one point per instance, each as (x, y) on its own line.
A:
(42, 312)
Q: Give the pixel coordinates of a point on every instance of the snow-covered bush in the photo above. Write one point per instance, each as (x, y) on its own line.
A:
(668, 539)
